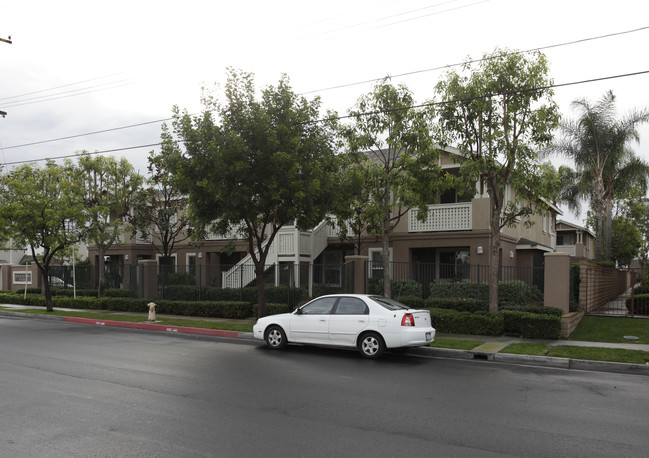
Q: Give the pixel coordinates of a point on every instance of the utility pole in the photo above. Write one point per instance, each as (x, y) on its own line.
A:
(5, 40)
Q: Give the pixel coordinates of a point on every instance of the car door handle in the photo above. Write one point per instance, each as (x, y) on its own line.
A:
(323, 321)
(361, 321)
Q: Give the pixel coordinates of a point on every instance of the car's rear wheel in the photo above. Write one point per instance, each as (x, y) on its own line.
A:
(275, 338)
(371, 345)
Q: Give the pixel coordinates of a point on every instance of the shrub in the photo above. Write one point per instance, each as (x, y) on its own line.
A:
(640, 304)
(282, 295)
(176, 278)
(512, 321)
(517, 292)
(320, 289)
(642, 289)
(414, 302)
(459, 304)
(471, 290)
(537, 309)
(232, 310)
(510, 292)
(541, 326)
(454, 322)
(271, 309)
(400, 288)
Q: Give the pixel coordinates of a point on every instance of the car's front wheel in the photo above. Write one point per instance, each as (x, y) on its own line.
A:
(371, 345)
(275, 338)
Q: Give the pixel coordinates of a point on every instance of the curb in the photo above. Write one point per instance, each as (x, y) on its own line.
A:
(155, 327)
(429, 352)
(530, 360)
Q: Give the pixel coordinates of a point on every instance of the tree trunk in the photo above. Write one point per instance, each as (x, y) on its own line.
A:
(494, 255)
(101, 286)
(494, 264)
(387, 283)
(46, 287)
(261, 289)
(609, 229)
(598, 206)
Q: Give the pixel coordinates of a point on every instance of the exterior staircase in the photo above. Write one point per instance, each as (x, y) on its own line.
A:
(290, 245)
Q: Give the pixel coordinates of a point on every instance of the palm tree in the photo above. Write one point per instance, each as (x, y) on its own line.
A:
(598, 144)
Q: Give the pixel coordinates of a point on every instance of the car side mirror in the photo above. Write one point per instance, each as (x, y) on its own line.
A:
(298, 311)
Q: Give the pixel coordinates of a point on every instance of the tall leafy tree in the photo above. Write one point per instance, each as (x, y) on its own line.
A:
(598, 143)
(160, 211)
(626, 240)
(392, 145)
(260, 164)
(499, 113)
(108, 186)
(43, 209)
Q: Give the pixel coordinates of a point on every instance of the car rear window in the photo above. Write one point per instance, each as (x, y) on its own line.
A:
(390, 304)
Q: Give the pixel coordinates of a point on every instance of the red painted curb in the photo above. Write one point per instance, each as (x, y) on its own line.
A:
(154, 327)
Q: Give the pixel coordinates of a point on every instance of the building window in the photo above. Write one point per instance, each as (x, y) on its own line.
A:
(454, 264)
(376, 262)
(191, 263)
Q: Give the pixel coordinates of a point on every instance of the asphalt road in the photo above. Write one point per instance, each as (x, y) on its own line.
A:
(69, 390)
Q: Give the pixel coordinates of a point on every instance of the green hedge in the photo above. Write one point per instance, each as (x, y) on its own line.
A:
(642, 289)
(222, 309)
(540, 327)
(111, 292)
(454, 322)
(461, 305)
(510, 292)
(399, 288)
(274, 294)
(230, 310)
(537, 309)
(529, 325)
(640, 304)
(271, 309)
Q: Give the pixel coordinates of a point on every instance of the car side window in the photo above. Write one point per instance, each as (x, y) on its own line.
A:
(351, 306)
(320, 306)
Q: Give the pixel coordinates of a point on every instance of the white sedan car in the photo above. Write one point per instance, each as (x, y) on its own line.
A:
(370, 323)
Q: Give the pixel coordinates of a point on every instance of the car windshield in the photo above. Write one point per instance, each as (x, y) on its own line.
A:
(389, 304)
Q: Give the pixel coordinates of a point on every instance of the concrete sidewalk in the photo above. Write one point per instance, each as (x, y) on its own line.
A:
(490, 350)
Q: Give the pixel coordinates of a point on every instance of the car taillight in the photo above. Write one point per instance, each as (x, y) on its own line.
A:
(408, 320)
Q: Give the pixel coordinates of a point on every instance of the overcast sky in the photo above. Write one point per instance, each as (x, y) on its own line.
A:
(77, 67)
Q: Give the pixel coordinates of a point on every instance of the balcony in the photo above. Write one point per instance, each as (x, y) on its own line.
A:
(442, 218)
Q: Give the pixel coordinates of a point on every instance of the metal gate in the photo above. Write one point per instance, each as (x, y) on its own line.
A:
(615, 292)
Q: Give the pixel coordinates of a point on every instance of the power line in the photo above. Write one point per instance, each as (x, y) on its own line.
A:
(321, 90)
(56, 87)
(458, 64)
(48, 98)
(353, 26)
(89, 133)
(67, 156)
(424, 105)
(483, 96)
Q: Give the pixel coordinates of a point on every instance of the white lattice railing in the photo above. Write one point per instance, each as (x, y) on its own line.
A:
(443, 217)
(570, 249)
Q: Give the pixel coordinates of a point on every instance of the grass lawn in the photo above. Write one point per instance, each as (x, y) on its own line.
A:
(206, 324)
(525, 348)
(618, 355)
(612, 329)
(455, 344)
(600, 354)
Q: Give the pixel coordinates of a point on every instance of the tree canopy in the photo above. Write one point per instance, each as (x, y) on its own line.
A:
(108, 187)
(605, 166)
(392, 150)
(254, 164)
(499, 113)
(43, 209)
